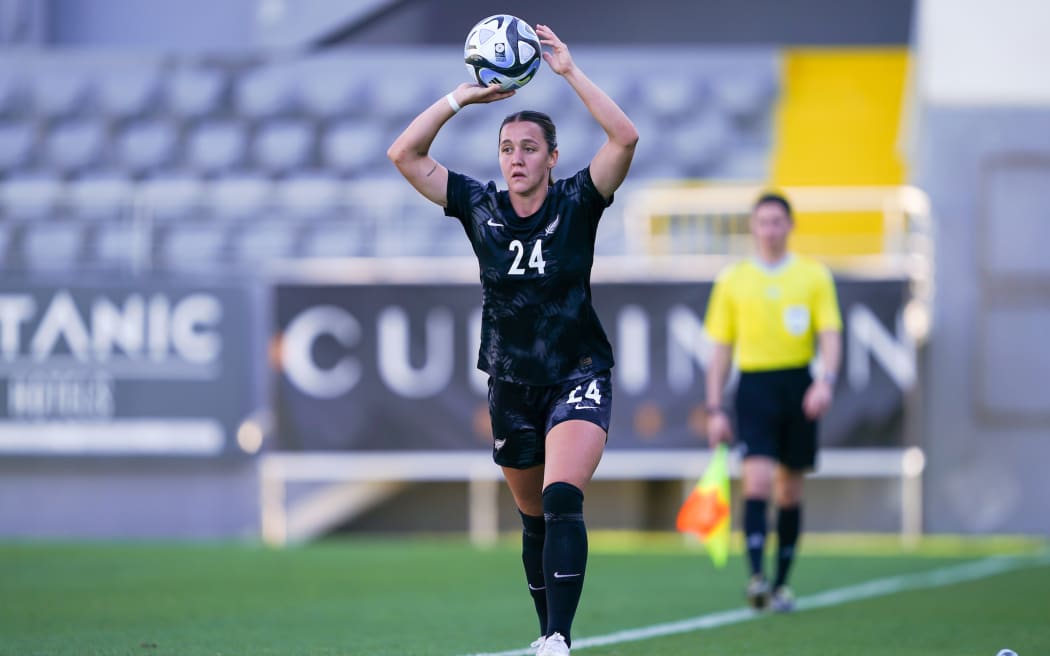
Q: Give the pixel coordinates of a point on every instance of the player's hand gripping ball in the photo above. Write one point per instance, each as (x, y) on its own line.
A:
(502, 49)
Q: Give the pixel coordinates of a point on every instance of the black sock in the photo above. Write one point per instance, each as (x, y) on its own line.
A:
(535, 528)
(789, 526)
(755, 532)
(564, 555)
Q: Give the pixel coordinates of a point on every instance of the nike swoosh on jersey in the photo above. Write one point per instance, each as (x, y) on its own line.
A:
(499, 443)
(586, 407)
(494, 224)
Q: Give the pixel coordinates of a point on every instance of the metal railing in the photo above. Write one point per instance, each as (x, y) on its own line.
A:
(686, 229)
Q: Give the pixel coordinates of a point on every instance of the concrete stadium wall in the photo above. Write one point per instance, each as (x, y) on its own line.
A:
(105, 499)
(987, 403)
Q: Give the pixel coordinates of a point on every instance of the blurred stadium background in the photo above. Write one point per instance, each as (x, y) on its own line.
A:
(224, 315)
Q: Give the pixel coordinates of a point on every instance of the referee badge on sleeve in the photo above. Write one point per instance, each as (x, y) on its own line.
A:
(796, 319)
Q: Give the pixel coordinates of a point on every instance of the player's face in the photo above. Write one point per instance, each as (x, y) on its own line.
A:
(770, 224)
(524, 157)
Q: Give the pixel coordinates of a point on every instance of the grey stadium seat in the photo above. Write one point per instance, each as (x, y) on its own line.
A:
(671, 96)
(470, 150)
(5, 244)
(75, 145)
(59, 90)
(353, 147)
(146, 146)
(52, 245)
(128, 88)
(337, 238)
(171, 197)
(270, 239)
(216, 146)
(651, 149)
(17, 139)
(13, 85)
(623, 88)
(579, 138)
(283, 145)
(30, 197)
(327, 89)
(745, 96)
(397, 99)
(308, 196)
(193, 246)
(100, 196)
(119, 245)
(702, 143)
(266, 91)
(547, 93)
(238, 197)
(195, 91)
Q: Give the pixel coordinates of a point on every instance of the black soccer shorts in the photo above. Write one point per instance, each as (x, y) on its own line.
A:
(770, 420)
(522, 415)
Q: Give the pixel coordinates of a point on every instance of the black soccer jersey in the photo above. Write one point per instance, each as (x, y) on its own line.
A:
(538, 325)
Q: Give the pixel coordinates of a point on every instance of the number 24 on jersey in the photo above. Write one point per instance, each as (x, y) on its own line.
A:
(535, 258)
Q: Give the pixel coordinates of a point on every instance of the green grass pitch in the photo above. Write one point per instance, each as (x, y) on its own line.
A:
(437, 596)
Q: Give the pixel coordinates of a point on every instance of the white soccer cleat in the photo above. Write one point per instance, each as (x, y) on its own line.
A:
(537, 644)
(782, 601)
(554, 645)
(757, 592)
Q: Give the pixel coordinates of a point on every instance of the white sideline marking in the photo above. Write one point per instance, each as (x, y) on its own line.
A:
(971, 571)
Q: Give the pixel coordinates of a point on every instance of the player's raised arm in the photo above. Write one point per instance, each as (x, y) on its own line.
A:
(612, 161)
(410, 152)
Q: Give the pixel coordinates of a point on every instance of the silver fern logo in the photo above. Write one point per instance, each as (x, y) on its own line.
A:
(552, 227)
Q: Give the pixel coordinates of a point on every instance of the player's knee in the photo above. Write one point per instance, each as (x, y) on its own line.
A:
(787, 491)
(757, 481)
(562, 501)
(787, 496)
(533, 525)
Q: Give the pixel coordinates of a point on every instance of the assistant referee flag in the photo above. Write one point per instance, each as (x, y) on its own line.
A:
(706, 509)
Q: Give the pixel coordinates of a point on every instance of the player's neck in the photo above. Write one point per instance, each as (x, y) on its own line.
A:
(530, 202)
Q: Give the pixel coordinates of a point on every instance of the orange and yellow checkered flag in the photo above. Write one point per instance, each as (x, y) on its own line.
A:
(706, 509)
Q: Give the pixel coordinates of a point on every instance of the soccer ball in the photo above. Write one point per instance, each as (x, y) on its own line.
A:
(503, 49)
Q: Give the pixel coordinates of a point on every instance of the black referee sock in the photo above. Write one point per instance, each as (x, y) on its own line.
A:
(789, 526)
(564, 555)
(755, 532)
(532, 536)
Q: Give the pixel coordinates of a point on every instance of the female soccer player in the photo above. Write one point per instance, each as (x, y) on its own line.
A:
(546, 354)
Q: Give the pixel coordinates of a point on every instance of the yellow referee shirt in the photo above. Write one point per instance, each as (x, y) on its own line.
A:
(771, 315)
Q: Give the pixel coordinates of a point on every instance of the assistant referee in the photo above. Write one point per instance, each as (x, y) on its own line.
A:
(768, 314)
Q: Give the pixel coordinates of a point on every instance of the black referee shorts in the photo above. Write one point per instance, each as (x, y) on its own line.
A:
(769, 417)
(522, 415)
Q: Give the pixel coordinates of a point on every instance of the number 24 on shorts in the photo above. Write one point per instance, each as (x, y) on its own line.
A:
(592, 393)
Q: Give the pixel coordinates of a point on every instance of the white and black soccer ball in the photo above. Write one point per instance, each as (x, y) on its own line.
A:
(503, 49)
